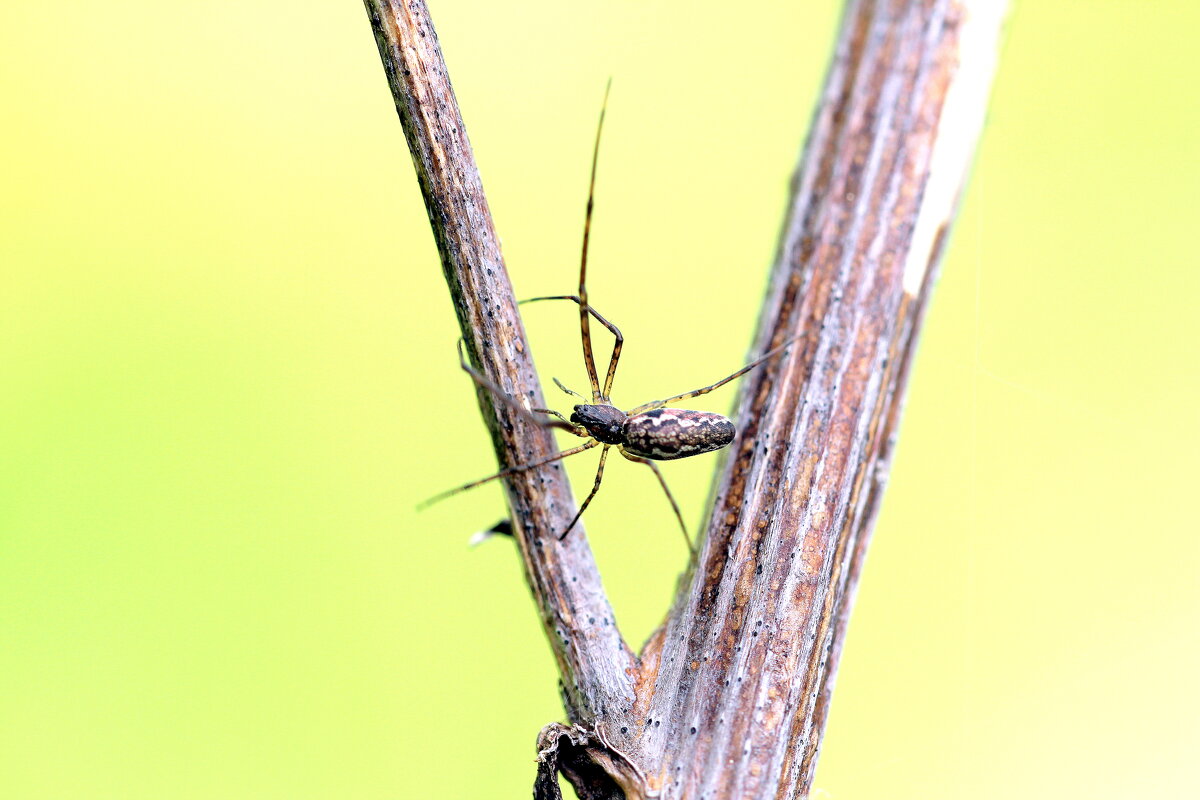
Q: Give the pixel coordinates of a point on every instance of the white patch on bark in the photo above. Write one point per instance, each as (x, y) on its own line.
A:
(958, 131)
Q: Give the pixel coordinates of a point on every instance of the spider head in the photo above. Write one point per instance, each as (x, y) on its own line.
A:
(603, 422)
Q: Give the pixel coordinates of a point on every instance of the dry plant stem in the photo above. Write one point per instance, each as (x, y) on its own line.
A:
(747, 658)
(730, 696)
(595, 665)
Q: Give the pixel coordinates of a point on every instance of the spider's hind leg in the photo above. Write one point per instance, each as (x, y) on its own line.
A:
(674, 506)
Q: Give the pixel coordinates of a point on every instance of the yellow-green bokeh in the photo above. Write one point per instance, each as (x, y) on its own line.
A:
(229, 376)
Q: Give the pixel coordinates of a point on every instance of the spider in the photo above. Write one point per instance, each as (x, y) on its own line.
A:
(645, 434)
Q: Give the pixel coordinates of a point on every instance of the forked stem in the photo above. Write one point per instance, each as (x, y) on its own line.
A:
(730, 697)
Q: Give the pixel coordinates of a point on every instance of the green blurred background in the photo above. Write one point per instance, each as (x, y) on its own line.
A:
(229, 376)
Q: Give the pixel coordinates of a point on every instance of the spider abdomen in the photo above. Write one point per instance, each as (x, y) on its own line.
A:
(669, 433)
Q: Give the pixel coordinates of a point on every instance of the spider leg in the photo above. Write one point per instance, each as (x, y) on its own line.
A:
(552, 413)
(588, 499)
(616, 352)
(571, 392)
(705, 390)
(588, 360)
(674, 506)
(588, 445)
(483, 381)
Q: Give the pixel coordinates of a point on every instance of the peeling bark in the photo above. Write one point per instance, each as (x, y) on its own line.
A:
(730, 696)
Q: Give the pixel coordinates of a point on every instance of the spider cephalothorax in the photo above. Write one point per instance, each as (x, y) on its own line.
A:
(604, 422)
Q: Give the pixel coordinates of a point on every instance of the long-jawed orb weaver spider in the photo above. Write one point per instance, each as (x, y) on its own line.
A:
(645, 434)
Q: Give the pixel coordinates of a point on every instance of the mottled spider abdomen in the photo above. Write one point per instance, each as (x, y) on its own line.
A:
(669, 433)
